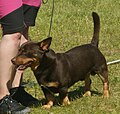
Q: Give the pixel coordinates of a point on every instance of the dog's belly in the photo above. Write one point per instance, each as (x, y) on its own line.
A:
(78, 75)
(76, 79)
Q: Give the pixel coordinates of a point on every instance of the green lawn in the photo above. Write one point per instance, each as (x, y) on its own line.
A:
(72, 26)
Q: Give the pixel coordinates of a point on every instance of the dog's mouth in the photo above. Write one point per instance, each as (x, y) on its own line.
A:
(24, 66)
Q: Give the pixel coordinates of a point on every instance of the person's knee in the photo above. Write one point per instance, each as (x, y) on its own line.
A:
(13, 39)
(16, 36)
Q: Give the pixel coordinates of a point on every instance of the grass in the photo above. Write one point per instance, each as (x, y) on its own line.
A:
(72, 26)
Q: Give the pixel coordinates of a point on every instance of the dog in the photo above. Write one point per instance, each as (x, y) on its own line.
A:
(56, 72)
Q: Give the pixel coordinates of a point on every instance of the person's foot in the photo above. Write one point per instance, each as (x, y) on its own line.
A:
(20, 95)
(10, 106)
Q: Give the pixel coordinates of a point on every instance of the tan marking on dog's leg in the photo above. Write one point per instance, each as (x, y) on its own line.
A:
(104, 78)
(52, 84)
(48, 105)
(105, 90)
(87, 93)
(66, 101)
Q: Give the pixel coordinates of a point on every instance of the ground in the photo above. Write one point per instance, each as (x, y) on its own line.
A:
(73, 25)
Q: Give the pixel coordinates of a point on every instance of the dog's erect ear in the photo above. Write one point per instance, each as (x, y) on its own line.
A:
(45, 44)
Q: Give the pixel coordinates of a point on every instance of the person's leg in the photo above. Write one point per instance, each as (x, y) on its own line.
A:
(25, 36)
(8, 49)
(19, 74)
(17, 91)
(12, 25)
(30, 12)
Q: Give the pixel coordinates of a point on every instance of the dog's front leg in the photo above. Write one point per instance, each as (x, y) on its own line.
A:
(49, 97)
(87, 91)
(63, 94)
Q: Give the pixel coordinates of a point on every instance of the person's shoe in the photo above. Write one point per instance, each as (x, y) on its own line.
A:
(10, 106)
(20, 95)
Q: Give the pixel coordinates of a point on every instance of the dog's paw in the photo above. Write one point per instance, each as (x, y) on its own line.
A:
(87, 93)
(65, 101)
(46, 106)
(106, 94)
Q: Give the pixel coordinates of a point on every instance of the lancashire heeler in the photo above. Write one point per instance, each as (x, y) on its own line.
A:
(56, 72)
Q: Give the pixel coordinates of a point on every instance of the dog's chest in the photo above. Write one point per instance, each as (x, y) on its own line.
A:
(45, 77)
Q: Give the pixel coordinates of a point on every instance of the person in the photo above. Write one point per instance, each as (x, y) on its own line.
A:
(16, 17)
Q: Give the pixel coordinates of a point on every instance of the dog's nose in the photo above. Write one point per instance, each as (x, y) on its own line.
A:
(13, 60)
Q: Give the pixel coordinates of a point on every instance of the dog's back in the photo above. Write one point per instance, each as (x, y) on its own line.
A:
(86, 58)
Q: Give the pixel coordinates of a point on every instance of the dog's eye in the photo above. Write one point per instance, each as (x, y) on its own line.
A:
(21, 49)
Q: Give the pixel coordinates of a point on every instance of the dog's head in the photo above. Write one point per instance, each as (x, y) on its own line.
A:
(30, 54)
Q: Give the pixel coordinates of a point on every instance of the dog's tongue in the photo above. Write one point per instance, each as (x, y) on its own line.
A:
(22, 67)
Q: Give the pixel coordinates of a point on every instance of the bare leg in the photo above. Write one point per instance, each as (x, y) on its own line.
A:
(8, 49)
(25, 36)
(19, 74)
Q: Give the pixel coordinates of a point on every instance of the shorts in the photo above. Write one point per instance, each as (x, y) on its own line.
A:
(14, 16)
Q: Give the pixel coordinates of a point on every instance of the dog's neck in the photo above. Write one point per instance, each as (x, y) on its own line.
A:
(48, 59)
(46, 64)
(35, 65)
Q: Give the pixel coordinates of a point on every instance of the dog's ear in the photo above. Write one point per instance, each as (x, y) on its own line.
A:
(45, 44)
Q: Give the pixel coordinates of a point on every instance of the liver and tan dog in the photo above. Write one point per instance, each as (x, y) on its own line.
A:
(56, 72)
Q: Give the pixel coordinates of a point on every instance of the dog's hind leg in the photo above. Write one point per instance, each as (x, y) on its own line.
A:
(87, 91)
(103, 74)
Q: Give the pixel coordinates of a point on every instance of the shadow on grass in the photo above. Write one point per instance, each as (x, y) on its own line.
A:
(73, 95)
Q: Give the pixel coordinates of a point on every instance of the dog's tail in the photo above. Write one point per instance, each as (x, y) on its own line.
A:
(96, 20)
